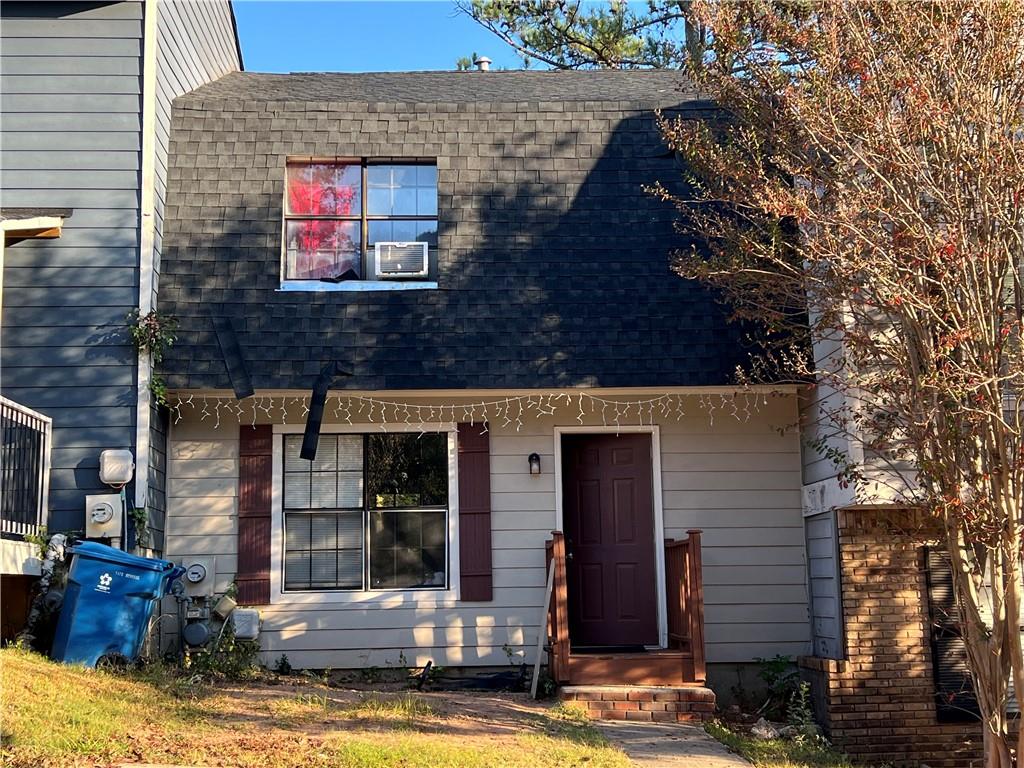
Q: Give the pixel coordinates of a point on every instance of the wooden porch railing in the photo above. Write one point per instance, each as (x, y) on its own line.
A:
(685, 610)
(558, 610)
(684, 588)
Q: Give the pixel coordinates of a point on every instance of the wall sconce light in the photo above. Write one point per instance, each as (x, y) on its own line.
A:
(534, 460)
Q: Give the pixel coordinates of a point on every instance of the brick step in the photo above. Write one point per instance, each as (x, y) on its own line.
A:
(651, 703)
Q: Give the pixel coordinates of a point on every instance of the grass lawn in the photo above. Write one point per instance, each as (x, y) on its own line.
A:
(54, 715)
(778, 753)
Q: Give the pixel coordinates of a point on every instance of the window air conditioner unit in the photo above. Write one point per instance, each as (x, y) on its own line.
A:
(393, 260)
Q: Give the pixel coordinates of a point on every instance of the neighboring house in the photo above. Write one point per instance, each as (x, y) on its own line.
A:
(541, 304)
(888, 668)
(85, 117)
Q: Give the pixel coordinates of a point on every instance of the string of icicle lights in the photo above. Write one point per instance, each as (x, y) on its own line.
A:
(511, 411)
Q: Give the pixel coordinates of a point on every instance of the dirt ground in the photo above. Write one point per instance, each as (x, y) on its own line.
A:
(56, 715)
(317, 707)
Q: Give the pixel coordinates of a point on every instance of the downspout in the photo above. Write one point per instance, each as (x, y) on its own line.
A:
(147, 243)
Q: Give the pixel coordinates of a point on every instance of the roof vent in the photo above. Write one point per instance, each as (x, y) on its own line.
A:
(482, 63)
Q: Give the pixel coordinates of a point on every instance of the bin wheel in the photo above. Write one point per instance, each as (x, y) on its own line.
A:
(114, 662)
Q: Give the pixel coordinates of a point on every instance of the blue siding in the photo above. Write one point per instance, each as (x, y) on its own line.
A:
(70, 75)
(71, 137)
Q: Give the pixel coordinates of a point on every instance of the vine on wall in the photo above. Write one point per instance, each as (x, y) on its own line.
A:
(152, 334)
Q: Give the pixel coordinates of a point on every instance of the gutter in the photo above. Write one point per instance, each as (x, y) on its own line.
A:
(147, 243)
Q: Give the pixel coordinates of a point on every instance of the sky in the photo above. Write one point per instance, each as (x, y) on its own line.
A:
(362, 36)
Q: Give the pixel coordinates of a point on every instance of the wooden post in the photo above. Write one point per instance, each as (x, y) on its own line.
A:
(560, 646)
(545, 619)
(695, 609)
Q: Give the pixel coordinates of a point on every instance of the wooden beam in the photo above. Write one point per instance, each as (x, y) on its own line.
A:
(695, 609)
(25, 234)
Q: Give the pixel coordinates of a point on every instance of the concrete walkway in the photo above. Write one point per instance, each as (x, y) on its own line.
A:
(657, 745)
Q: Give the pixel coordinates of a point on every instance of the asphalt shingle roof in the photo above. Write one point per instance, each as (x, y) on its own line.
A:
(554, 264)
(661, 86)
(33, 213)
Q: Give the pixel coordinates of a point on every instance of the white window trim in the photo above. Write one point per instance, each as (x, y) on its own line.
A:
(656, 493)
(355, 286)
(348, 286)
(419, 598)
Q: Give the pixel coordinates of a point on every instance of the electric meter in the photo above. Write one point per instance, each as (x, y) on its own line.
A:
(196, 572)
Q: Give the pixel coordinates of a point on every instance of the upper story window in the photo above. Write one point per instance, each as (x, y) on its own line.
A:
(337, 211)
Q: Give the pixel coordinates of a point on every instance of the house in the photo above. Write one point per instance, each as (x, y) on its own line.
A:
(888, 666)
(85, 115)
(469, 264)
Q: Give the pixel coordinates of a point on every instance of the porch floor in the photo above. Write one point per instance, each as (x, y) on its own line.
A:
(658, 667)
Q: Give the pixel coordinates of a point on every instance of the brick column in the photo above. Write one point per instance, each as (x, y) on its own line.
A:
(878, 704)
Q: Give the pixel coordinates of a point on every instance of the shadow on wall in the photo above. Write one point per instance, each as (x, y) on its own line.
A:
(554, 272)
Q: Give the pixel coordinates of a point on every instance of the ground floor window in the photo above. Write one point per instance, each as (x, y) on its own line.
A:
(370, 512)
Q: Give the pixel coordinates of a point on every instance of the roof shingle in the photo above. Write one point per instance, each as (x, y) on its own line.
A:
(649, 86)
(554, 264)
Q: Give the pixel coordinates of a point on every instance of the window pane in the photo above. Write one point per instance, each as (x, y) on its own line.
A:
(350, 568)
(383, 532)
(326, 454)
(324, 551)
(398, 231)
(324, 490)
(321, 248)
(426, 176)
(323, 569)
(403, 201)
(379, 231)
(426, 231)
(350, 452)
(350, 489)
(323, 532)
(297, 532)
(403, 175)
(426, 202)
(378, 201)
(292, 447)
(401, 190)
(350, 530)
(296, 570)
(407, 549)
(407, 470)
(296, 490)
(324, 189)
(403, 231)
(378, 175)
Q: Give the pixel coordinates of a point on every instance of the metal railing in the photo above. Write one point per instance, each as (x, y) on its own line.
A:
(24, 469)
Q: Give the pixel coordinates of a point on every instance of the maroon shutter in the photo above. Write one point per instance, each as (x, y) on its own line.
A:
(474, 513)
(254, 482)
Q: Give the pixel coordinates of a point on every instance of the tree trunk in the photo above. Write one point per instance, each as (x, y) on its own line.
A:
(997, 751)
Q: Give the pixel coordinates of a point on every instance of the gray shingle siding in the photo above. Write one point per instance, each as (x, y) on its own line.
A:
(554, 264)
(70, 75)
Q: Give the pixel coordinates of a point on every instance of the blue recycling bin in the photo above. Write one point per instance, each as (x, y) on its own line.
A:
(108, 603)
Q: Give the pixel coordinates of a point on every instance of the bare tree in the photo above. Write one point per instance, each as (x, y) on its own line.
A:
(865, 189)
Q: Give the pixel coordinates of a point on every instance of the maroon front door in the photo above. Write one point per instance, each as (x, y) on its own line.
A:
(609, 536)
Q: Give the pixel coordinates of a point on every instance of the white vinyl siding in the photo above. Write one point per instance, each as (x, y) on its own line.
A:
(738, 481)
